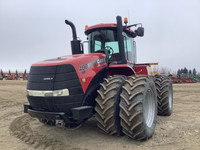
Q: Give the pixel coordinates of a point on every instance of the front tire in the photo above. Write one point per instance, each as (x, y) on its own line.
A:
(138, 107)
(107, 105)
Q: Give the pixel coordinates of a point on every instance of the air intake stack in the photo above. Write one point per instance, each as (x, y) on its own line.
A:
(75, 44)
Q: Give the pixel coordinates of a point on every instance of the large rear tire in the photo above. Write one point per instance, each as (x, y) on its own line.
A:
(107, 105)
(138, 107)
(165, 95)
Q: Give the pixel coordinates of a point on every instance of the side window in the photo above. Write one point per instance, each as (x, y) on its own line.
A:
(134, 52)
(129, 48)
(97, 45)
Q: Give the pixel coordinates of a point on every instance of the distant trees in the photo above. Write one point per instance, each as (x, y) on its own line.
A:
(194, 72)
(190, 73)
(180, 73)
(184, 72)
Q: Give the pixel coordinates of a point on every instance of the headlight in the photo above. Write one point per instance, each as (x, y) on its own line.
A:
(55, 93)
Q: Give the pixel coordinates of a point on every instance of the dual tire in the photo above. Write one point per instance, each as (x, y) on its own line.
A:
(107, 105)
(164, 95)
(127, 106)
(138, 107)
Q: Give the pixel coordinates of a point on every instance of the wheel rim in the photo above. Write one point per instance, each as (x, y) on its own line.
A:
(149, 108)
(170, 96)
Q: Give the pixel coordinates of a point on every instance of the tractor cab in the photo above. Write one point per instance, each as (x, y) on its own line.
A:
(116, 41)
(106, 41)
(118, 44)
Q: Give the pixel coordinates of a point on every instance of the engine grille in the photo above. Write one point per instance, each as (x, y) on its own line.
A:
(55, 78)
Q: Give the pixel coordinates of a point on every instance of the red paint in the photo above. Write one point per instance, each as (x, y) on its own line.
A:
(129, 62)
(120, 69)
(127, 70)
(77, 61)
(183, 80)
(111, 25)
(12, 76)
(108, 25)
(142, 70)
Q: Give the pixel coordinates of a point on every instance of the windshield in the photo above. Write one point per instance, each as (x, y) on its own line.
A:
(103, 39)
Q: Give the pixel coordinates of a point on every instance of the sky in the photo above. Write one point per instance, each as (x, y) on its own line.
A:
(34, 30)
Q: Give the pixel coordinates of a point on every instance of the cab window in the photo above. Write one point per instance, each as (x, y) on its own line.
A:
(102, 39)
(129, 48)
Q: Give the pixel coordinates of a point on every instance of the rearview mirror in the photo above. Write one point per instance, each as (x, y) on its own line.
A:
(140, 31)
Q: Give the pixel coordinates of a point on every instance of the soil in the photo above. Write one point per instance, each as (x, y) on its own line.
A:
(18, 131)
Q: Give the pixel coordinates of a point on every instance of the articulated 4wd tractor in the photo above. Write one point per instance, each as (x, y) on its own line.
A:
(105, 83)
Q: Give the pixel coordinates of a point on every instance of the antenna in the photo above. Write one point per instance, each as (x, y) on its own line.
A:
(129, 17)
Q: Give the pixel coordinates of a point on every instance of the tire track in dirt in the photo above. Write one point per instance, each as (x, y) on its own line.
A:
(9, 109)
(7, 104)
(21, 128)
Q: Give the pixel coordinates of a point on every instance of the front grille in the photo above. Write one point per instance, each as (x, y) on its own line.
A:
(55, 78)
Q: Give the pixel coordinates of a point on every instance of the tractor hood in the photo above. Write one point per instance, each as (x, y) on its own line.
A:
(75, 60)
(86, 66)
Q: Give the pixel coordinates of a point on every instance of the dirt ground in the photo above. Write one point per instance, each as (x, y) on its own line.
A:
(18, 131)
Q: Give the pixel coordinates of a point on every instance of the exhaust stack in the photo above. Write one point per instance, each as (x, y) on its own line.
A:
(120, 39)
(75, 44)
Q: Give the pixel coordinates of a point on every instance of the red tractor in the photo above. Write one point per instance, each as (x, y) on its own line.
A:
(16, 76)
(10, 76)
(105, 83)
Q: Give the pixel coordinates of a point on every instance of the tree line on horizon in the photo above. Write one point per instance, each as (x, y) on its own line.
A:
(184, 72)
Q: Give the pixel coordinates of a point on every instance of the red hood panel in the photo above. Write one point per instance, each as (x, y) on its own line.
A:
(78, 59)
(86, 65)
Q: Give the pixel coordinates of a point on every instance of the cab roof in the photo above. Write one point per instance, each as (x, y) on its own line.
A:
(111, 26)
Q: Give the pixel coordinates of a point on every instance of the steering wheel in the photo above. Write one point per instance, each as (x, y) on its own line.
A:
(109, 50)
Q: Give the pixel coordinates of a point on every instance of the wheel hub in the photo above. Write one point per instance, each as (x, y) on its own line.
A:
(170, 96)
(149, 108)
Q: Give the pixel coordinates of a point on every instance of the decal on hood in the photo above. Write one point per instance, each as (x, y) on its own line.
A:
(96, 62)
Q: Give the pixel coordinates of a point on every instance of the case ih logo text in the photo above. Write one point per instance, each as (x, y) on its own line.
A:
(85, 66)
(47, 78)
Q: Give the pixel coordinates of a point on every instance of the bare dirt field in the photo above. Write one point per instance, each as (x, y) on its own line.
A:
(18, 131)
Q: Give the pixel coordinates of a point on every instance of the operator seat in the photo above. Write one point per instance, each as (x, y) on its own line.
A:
(114, 58)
